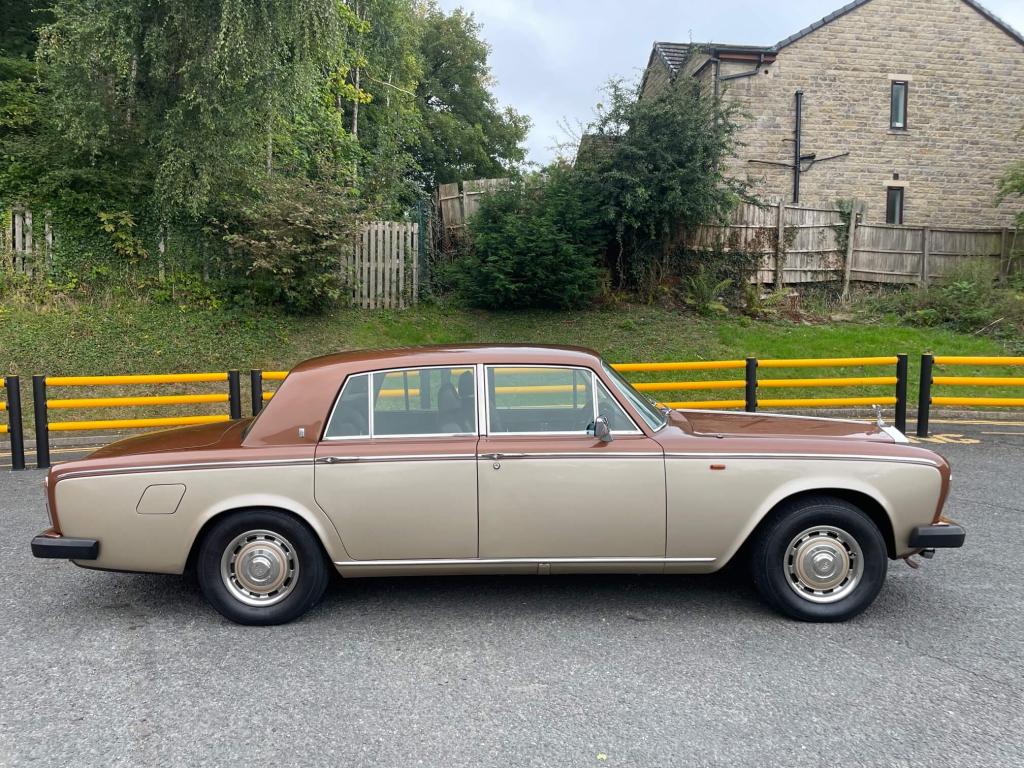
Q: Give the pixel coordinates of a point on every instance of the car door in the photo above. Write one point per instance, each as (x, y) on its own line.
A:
(552, 492)
(396, 468)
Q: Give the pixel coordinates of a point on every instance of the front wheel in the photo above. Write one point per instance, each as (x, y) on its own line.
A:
(261, 567)
(819, 559)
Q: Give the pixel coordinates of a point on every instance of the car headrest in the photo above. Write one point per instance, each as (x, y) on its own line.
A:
(466, 385)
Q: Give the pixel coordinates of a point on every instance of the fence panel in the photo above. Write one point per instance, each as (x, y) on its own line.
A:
(382, 267)
(882, 253)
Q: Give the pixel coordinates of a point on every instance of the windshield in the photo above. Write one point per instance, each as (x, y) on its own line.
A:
(647, 409)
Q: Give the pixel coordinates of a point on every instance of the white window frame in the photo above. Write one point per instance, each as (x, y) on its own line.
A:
(369, 405)
(595, 380)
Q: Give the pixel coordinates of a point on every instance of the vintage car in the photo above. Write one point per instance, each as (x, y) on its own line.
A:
(388, 463)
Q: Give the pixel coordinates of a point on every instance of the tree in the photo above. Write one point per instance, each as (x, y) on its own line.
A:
(657, 165)
(1012, 185)
(535, 244)
(184, 92)
(464, 134)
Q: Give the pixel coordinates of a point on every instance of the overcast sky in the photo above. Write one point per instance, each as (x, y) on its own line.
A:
(551, 57)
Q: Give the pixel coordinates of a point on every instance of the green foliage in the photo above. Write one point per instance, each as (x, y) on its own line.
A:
(534, 245)
(464, 134)
(1011, 186)
(657, 166)
(284, 249)
(190, 118)
(968, 300)
(704, 292)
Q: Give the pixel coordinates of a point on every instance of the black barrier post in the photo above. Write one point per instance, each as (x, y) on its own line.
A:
(256, 391)
(902, 369)
(234, 395)
(924, 397)
(750, 393)
(14, 422)
(42, 422)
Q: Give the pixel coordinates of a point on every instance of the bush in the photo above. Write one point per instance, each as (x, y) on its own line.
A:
(536, 244)
(967, 300)
(284, 249)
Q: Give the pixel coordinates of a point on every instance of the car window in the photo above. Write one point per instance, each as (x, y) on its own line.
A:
(532, 400)
(350, 417)
(647, 409)
(617, 418)
(408, 402)
(424, 401)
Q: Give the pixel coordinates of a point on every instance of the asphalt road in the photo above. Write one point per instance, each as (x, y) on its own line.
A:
(105, 669)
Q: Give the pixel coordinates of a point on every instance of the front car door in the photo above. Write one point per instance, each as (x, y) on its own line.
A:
(549, 491)
(396, 468)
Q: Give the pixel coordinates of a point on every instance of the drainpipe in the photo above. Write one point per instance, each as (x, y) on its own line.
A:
(796, 143)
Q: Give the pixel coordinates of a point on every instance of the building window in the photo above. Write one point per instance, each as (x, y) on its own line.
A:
(894, 205)
(898, 105)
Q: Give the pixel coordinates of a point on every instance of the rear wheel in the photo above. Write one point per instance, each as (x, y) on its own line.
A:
(261, 567)
(819, 559)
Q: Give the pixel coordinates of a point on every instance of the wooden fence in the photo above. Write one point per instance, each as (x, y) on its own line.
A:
(812, 245)
(456, 202)
(19, 242)
(382, 270)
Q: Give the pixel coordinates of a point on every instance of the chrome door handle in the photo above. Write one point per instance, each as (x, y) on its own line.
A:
(338, 459)
(499, 456)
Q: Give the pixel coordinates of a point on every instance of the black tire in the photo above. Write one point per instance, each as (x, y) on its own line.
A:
(839, 527)
(298, 547)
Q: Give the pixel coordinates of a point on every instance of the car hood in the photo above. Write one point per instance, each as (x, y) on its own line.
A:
(776, 426)
(221, 434)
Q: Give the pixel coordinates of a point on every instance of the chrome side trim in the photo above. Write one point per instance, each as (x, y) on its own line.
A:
(597, 453)
(411, 457)
(808, 456)
(531, 561)
(197, 465)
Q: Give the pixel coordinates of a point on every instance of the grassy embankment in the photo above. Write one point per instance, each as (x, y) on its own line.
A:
(151, 338)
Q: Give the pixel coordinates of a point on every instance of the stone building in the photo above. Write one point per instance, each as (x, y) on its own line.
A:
(913, 107)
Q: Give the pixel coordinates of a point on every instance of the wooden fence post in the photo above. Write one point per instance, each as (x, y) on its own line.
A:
(926, 248)
(851, 237)
(780, 246)
(1005, 256)
(48, 238)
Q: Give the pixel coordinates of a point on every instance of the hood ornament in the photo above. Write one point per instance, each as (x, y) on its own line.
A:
(878, 416)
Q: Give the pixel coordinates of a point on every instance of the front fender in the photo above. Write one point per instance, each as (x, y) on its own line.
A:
(712, 513)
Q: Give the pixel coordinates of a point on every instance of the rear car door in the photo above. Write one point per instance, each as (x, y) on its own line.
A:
(552, 492)
(396, 468)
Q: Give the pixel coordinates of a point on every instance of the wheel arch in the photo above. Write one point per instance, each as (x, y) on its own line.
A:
(861, 499)
(204, 529)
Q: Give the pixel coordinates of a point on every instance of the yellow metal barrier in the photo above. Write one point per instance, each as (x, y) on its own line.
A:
(700, 365)
(146, 378)
(43, 403)
(701, 405)
(828, 362)
(943, 360)
(169, 421)
(928, 380)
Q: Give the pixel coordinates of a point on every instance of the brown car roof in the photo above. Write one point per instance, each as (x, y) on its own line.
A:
(305, 397)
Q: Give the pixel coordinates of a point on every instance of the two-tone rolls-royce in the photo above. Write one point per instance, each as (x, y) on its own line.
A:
(498, 460)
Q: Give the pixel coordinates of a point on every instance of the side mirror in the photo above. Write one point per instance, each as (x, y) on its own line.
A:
(602, 431)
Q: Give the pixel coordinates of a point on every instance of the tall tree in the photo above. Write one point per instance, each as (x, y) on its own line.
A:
(189, 91)
(464, 133)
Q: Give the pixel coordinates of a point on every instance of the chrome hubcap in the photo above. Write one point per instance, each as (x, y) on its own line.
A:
(259, 567)
(824, 564)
